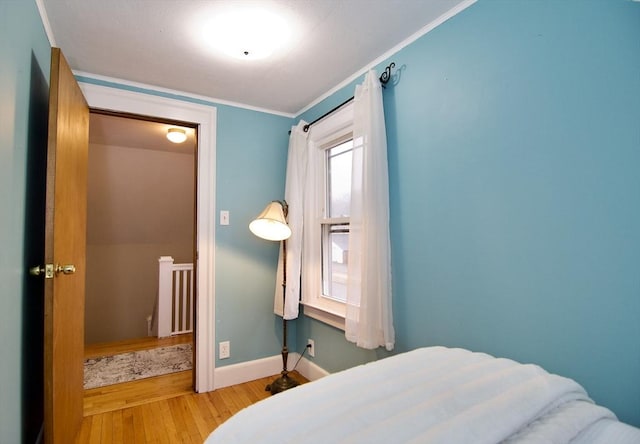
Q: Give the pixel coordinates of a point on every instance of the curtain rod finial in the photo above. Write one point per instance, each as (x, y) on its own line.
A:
(386, 75)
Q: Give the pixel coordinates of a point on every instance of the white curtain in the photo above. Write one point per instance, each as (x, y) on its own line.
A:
(293, 194)
(369, 317)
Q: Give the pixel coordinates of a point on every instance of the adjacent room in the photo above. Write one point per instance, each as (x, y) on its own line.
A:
(139, 292)
(443, 200)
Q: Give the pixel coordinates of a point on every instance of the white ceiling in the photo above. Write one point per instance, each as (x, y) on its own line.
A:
(135, 133)
(158, 43)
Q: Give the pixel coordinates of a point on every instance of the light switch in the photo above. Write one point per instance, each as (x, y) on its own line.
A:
(224, 217)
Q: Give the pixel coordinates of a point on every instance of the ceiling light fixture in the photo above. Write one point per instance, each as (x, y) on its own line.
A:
(248, 34)
(176, 135)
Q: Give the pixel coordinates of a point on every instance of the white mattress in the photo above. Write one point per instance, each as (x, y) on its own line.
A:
(430, 395)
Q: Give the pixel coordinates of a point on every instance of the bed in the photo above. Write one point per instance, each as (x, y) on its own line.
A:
(430, 395)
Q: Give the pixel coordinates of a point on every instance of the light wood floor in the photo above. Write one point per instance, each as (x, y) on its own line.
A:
(130, 394)
(185, 418)
(129, 345)
(163, 409)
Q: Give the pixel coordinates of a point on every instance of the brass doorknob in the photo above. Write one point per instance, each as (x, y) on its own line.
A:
(65, 269)
(49, 270)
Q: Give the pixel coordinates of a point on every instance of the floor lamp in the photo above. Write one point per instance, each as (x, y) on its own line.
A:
(271, 224)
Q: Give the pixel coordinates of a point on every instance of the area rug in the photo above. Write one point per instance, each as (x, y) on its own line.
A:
(132, 366)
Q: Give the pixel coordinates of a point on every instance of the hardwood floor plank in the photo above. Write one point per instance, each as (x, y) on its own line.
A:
(233, 404)
(128, 434)
(240, 395)
(107, 428)
(139, 435)
(96, 429)
(164, 413)
(256, 391)
(118, 427)
(167, 420)
(199, 417)
(191, 427)
(209, 414)
(205, 400)
(219, 404)
(85, 431)
(176, 415)
(147, 422)
(129, 394)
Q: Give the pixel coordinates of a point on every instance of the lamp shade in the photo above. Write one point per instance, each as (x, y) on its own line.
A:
(271, 224)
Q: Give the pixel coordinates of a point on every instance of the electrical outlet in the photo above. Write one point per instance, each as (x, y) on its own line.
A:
(224, 350)
(312, 347)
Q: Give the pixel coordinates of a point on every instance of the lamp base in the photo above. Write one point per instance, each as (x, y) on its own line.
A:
(281, 384)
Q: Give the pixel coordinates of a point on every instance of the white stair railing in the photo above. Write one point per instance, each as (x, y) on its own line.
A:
(175, 297)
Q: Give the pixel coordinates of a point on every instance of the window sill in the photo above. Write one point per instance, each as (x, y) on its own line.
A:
(323, 315)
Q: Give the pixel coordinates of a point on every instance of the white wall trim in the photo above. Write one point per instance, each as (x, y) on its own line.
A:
(311, 370)
(251, 370)
(261, 368)
(105, 98)
(323, 315)
(45, 22)
(214, 101)
(406, 42)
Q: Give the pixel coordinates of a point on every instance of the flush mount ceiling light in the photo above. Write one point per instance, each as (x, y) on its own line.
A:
(248, 34)
(176, 135)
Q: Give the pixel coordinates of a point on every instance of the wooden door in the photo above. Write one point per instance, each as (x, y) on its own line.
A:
(65, 244)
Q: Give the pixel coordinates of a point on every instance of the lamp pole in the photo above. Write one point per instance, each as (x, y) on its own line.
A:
(284, 382)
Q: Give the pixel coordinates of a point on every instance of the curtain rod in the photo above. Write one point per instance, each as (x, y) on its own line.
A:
(384, 79)
(306, 127)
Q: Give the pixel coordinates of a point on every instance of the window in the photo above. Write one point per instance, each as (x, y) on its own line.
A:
(335, 223)
(346, 228)
(325, 292)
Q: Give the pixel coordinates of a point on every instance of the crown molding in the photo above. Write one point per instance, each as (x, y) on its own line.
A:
(45, 22)
(204, 100)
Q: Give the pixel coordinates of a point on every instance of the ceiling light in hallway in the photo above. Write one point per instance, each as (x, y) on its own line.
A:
(176, 135)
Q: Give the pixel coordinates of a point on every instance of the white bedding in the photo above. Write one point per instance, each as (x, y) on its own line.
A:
(433, 394)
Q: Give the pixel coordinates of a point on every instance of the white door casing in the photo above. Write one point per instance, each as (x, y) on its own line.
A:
(118, 100)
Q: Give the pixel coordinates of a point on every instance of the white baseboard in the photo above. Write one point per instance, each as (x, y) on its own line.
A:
(261, 368)
(248, 371)
(311, 370)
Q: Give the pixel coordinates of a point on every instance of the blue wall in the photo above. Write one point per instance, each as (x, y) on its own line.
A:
(514, 155)
(251, 164)
(24, 77)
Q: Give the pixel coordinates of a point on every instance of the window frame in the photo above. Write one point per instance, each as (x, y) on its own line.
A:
(328, 133)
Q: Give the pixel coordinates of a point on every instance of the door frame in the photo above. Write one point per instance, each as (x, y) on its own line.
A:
(132, 102)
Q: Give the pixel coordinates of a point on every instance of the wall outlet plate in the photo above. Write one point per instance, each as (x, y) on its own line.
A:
(312, 349)
(224, 350)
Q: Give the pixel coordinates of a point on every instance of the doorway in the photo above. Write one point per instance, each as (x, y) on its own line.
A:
(141, 206)
(131, 100)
